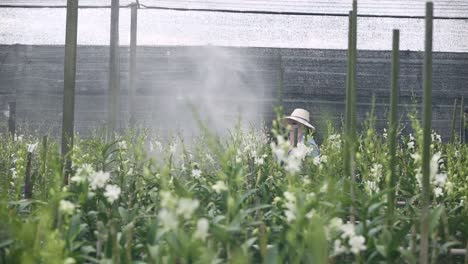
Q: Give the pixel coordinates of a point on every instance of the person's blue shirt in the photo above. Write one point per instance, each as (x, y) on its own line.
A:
(315, 150)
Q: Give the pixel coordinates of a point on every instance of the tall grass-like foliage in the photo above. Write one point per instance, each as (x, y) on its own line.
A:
(426, 147)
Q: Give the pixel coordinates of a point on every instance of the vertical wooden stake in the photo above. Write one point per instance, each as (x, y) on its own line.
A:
(133, 52)
(462, 120)
(43, 167)
(12, 119)
(426, 155)
(28, 187)
(280, 81)
(393, 125)
(350, 126)
(69, 85)
(114, 70)
(454, 116)
(295, 136)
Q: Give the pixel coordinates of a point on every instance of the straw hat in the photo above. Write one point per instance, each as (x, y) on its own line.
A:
(301, 116)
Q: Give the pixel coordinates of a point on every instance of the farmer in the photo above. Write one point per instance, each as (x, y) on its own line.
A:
(299, 119)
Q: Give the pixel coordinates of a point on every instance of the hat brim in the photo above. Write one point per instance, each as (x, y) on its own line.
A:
(299, 120)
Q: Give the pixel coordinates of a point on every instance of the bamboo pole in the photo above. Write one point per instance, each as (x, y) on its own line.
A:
(133, 53)
(43, 166)
(393, 125)
(348, 97)
(426, 155)
(462, 121)
(280, 80)
(28, 186)
(12, 118)
(114, 69)
(69, 86)
(350, 126)
(295, 136)
(454, 115)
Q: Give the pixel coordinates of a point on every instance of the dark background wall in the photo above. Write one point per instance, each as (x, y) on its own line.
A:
(313, 79)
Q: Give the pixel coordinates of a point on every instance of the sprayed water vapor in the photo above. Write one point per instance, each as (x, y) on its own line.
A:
(220, 86)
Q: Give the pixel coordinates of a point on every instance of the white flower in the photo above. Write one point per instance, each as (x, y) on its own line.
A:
(279, 149)
(324, 188)
(196, 173)
(202, 229)
(348, 230)
(167, 200)
(112, 193)
(172, 148)
(290, 206)
(259, 161)
(253, 153)
(210, 158)
(440, 179)
(69, 261)
(438, 192)
(310, 214)
(18, 138)
(219, 186)
(418, 175)
(99, 179)
(122, 144)
(289, 196)
(335, 141)
(300, 151)
(338, 248)
(357, 244)
(376, 171)
(435, 137)
(385, 133)
(434, 166)
(411, 145)
(335, 223)
(238, 156)
(66, 207)
(276, 200)
(317, 161)
(293, 164)
(168, 220)
(372, 187)
(311, 196)
(290, 215)
(82, 173)
(186, 207)
(156, 145)
(449, 187)
(32, 147)
(416, 157)
(14, 174)
(323, 159)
